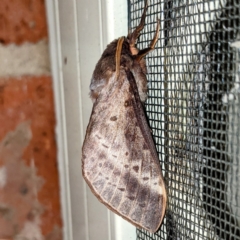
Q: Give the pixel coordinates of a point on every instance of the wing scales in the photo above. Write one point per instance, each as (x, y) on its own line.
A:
(120, 162)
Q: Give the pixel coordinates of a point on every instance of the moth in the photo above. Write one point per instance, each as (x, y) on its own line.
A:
(119, 159)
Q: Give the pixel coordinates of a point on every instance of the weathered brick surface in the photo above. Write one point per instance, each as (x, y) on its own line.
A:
(29, 193)
(22, 21)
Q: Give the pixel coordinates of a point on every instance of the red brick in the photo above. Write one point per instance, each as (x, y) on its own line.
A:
(30, 99)
(22, 20)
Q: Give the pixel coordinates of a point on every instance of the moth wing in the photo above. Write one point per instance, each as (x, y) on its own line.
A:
(119, 160)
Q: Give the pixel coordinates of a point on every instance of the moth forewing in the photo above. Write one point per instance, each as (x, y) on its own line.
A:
(118, 163)
(119, 158)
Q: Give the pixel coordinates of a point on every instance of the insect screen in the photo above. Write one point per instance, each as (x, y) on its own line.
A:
(194, 112)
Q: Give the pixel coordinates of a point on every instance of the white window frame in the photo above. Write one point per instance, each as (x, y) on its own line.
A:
(78, 33)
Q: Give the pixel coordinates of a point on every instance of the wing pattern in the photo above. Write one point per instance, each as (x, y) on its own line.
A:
(120, 162)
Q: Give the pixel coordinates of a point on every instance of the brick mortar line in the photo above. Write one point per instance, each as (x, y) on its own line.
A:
(28, 59)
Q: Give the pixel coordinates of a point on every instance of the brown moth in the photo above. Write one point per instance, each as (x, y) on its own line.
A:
(119, 159)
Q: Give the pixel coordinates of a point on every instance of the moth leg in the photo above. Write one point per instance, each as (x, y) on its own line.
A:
(142, 53)
(135, 34)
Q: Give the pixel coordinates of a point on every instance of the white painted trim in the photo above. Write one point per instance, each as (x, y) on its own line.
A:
(62, 156)
(78, 33)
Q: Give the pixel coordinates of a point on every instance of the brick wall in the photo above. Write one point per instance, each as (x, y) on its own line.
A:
(29, 187)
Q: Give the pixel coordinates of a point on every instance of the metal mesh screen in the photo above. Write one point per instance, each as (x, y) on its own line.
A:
(194, 111)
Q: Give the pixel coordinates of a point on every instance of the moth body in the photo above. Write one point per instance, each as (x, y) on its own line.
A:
(119, 158)
(106, 67)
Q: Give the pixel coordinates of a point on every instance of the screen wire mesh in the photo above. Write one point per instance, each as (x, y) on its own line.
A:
(194, 112)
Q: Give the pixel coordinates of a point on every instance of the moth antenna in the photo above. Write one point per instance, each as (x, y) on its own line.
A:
(135, 34)
(118, 55)
(142, 53)
(156, 35)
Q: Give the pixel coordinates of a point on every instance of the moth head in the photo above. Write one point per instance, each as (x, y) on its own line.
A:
(121, 53)
(132, 37)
